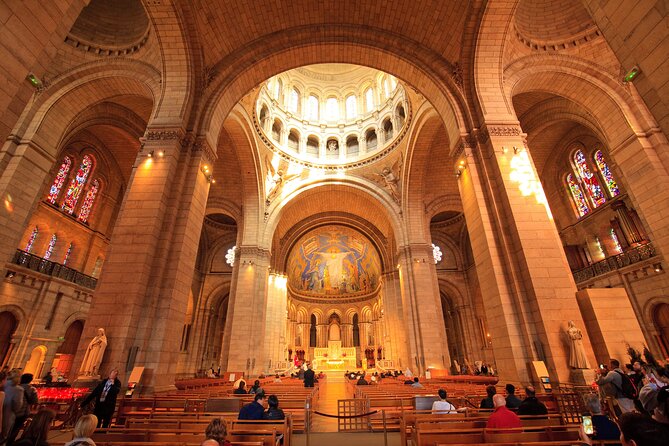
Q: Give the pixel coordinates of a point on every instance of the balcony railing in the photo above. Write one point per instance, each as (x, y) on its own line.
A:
(44, 266)
(629, 257)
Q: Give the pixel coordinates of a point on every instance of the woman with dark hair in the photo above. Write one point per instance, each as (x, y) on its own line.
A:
(37, 432)
(486, 403)
(273, 412)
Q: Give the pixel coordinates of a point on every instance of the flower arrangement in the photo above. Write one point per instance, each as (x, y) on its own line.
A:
(325, 355)
(343, 354)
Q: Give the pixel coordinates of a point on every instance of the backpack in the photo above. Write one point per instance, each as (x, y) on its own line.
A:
(627, 388)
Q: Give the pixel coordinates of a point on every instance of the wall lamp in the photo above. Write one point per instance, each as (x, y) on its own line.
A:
(517, 150)
(150, 154)
(207, 173)
(248, 262)
(460, 167)
(657, 267)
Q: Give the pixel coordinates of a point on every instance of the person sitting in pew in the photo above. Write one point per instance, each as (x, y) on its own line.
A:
(502, 417)
(277, 379)
(486, 403)
(215, 433)
(273, 412)
(255, 388)
(241, 390)
(512, 401)
(254, 410)
(362, 381)
(442, 405)
(83, 430)
(604, 427)
(416, 384)
(531, 405)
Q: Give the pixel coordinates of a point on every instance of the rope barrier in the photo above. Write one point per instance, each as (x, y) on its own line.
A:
(345, 416)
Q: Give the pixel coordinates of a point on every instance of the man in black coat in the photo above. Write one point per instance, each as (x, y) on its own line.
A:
(105, 399)
(309, 378)
(531, 405)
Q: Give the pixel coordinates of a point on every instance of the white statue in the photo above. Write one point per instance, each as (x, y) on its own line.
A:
(91, 364)
(335, 332)
(577, 358)
(389, 178)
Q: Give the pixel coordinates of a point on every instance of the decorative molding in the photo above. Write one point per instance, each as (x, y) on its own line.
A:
(456, 74)
(201, 145)
(108, 51)
(588, 35)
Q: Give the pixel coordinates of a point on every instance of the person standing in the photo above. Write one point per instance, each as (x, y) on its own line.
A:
(12, 407)
(29, 399)
(612, 383)
(309, 377)
(37, 433)
(105, 395)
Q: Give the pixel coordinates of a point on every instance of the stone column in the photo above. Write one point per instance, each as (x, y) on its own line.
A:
(245, 339)
(143, 291)
(275, 326)
(22, 181)
(422, 304)
(362, 143)
(528, 290)
(395, 319)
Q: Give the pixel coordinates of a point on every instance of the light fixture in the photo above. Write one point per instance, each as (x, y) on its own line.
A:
(632, 74)
(150, 154)
(657, 267)
(35, 81)
(161, 153)
(505, 149)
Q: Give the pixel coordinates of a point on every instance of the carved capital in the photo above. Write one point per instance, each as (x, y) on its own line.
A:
(503, 130)
(202, 146)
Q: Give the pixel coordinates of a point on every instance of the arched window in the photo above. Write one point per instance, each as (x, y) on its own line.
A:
(577, 195)
(589, 180)
(276, 131)
(312, 108)
(85, 210)
(293, 101)
(372, 141)
(388, 129)
(312, 332)
(386, 86)
(67, 254)
(294, 140)
(312, 146)
(59, 180)
(49, 249)
(606, 174)
(31, 239)
(356, 331)
(77, 185)
(351, 107)
(277, 89)
(332, 109)
(369, 100)
(352, 147)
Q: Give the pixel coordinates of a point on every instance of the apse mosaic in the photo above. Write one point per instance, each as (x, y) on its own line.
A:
(333, 260)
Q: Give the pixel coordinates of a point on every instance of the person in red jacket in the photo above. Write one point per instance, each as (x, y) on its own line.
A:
(502, 417)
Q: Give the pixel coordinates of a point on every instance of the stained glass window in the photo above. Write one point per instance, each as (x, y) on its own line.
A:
(589, 179)
(59, 180)
(77, 185)
(577, 195)
(85, 210)
(49, 249)
(67, 254)
(31, 239)
(606, 173)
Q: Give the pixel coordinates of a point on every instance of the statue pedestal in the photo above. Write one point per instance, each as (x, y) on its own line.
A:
(582, 377)
(86, 381)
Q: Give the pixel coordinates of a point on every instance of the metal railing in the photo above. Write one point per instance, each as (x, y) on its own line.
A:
(629, 257)
(44, 266)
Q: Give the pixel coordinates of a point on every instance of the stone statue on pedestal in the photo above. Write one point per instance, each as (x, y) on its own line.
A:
(577, 358)
(91, 364)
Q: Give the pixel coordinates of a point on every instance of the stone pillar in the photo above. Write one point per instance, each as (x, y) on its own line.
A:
(396, 344)
(527, 288)
(362, 143)
(22, 180)
(422, 305)
(275, 326)
(244, 342)
(142, 294)
(322, 335)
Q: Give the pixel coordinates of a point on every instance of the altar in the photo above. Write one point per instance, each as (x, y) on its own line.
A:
(334, 357)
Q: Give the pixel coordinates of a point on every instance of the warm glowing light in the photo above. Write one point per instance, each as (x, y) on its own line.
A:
(462, 162)
(522, 172)
(230, 256)
(9, 203)
(436, 253)
(161, 153)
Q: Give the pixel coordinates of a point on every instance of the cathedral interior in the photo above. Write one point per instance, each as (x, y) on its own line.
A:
(356, 184)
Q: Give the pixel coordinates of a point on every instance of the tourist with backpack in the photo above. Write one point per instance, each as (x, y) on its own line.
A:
(618, 385)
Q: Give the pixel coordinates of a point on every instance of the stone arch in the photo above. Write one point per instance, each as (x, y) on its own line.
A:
(291, 48)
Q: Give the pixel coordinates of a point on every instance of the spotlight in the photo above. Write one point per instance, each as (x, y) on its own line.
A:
(657, 267)
(35, 81)
(161, 153)
(150, 154)
(10, 275)
(504, 149)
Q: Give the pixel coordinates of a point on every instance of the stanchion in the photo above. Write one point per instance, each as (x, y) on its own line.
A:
(307, 419)
(385, 431)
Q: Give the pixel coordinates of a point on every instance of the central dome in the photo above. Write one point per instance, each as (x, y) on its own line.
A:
(332, 115)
